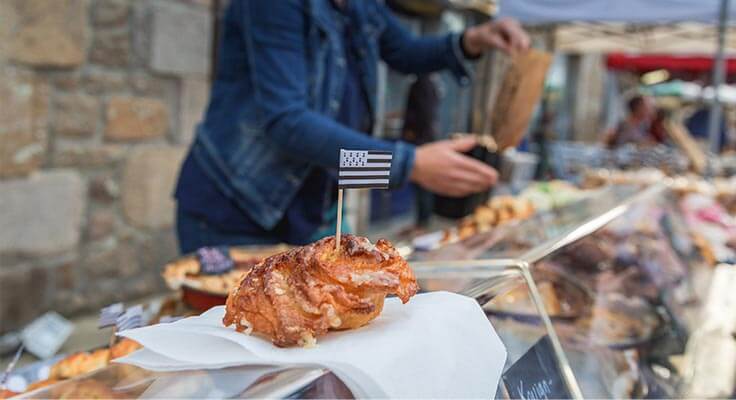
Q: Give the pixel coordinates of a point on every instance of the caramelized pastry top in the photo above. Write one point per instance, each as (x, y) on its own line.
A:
(297, 295)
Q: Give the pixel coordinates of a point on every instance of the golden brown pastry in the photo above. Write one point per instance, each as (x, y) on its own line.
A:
(6, 394)
(79, 364)
(68, 367)
(293, 297)
(123, 348)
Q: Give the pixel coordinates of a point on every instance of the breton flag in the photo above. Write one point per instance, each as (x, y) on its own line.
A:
(109, 314)
(364, 169)
(132, 318)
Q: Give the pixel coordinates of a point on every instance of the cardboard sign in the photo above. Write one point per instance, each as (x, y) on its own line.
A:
(536, 374)
(215, 260)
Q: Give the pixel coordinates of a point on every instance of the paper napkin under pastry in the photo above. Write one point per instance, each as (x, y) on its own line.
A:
(438, 345)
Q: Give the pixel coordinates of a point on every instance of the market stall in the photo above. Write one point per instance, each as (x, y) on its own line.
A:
(603, 293)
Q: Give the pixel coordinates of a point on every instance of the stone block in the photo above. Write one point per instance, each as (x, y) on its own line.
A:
(176, 47)
(23, 122)
(98, 81)
(111, 48)
(148, 182)
(112, 260)
(76, 115)
(66, 81)
(50, 33)
(41, 214)
(195, 94)
(159, 86)
(88, 156)
(110, 12)
(24, 292)
(136, 118)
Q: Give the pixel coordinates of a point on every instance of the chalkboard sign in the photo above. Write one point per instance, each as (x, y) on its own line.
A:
(536, 375)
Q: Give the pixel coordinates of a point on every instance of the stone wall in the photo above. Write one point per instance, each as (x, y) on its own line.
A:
(98, 99)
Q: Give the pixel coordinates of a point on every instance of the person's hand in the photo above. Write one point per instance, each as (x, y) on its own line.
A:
(504, 34)
(441, 168)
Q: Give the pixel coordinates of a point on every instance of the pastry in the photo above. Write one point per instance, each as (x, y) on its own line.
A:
(186, 271)
(293, 297)
(79, 364)
(123, 348)
(6, 394)
(497, 211)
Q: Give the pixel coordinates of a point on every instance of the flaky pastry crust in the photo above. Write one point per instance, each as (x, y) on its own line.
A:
(293, 297)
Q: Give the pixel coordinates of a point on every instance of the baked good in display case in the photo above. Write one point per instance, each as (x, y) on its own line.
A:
(296, 296)
(498, 211)
(203, 288)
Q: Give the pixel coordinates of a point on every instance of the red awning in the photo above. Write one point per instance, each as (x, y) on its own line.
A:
(650, 62)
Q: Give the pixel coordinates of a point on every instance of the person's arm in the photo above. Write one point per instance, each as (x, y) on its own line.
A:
(411, 54)
(408, 53)
(274, 35)
(273, 32)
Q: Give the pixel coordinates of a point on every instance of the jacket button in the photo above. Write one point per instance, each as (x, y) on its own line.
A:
(340, 62)
(334, 105)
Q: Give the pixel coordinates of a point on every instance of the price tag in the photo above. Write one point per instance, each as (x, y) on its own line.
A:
(46, 334)
(214, 260)
(536, 375)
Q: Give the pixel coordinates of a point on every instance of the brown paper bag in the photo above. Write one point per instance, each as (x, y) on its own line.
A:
(520, 92)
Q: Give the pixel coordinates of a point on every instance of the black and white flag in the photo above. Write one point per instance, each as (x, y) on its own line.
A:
(109, 314)
(132, 318)
(364, 169)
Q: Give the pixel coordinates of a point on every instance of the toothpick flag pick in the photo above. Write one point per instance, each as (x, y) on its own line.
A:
(364, 169)
(361, 169)
(132, 318)
(109, 314)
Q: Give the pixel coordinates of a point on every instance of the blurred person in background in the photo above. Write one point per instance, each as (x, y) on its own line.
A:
(421, 126)
(658, 128)
(296, 81)
(635, 128)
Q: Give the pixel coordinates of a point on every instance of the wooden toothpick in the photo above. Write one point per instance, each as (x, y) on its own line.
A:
(338, 229)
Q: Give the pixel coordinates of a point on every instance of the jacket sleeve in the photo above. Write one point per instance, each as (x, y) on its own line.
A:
(411, 54)
(275, 36)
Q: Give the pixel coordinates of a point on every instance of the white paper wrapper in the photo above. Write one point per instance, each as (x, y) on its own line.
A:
(437, 345)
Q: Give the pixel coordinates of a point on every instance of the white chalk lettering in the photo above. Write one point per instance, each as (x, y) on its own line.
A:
(538, 390)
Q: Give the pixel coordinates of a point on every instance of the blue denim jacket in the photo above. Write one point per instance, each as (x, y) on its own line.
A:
(279, 84)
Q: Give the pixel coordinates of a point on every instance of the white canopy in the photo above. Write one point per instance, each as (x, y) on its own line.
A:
(629, 11)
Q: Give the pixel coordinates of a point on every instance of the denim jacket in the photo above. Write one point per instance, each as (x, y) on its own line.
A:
(278, 88)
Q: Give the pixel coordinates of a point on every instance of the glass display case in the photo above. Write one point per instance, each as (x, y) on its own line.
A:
(614, 282)
(625, 289)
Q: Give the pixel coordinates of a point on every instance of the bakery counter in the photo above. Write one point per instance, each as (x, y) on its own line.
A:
(608, 297)
(127, 381)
